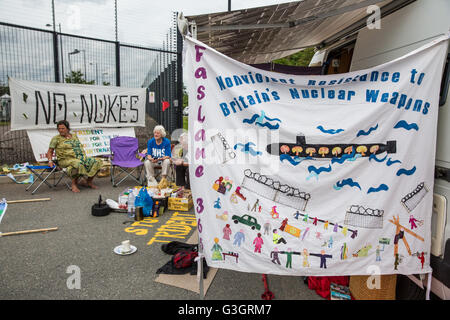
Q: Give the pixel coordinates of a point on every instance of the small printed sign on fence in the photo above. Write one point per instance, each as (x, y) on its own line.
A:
(95, 141)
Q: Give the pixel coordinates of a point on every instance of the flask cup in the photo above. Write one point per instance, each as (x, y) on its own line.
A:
(139, 214)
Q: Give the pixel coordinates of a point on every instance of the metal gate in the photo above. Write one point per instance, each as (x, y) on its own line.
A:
(41, 55)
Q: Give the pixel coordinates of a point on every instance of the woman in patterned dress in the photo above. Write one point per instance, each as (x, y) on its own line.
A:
(70, 154)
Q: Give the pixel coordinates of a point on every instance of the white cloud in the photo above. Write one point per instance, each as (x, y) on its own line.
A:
(141, 22)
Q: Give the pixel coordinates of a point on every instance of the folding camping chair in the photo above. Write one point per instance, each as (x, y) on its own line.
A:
(45, 173)
(123, 157)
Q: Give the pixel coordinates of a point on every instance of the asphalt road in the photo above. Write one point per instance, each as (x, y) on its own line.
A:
(40, 265)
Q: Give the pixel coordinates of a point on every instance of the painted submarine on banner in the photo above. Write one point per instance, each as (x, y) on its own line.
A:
(326, 151)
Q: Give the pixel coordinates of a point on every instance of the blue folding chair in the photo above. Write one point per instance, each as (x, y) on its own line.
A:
(45, 173)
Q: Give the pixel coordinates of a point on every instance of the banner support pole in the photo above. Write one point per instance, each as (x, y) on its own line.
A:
(429, 277)
(200, 269)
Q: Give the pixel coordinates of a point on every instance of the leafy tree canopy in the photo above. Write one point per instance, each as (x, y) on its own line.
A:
(77, 77)
(300, 59)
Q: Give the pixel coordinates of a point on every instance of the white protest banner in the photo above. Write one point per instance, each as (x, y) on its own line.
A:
(95, 141)
(314, 175)
(40, 105)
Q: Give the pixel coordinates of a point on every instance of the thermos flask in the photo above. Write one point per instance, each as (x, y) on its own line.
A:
(139, 214)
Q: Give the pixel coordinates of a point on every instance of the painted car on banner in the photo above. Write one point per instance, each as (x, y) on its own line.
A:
(247, 220)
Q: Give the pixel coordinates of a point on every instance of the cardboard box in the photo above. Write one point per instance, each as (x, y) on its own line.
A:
(180, 204)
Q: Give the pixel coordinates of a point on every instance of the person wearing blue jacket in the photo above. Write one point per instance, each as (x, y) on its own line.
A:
(158, 154)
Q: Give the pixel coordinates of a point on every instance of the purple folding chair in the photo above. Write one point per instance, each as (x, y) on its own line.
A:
(123, 157)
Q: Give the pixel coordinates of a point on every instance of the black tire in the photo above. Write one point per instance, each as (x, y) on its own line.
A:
(235, 221)
(100, 211)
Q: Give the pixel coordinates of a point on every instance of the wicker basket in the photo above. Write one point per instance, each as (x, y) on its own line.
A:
(360, 291)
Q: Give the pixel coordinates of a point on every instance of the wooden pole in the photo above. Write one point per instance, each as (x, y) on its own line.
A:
(27, 200)
(27, 231)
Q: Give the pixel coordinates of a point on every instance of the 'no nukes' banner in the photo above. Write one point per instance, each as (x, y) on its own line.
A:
(314, 175)
(40, 105)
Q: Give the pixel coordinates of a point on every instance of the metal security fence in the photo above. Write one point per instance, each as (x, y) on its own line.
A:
(41, 55)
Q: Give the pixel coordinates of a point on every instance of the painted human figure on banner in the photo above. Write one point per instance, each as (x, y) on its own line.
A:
(239, 237)
(227, 232)
(258, 242)
(216, 250)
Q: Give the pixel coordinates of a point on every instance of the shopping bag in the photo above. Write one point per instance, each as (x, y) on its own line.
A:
(144, 200)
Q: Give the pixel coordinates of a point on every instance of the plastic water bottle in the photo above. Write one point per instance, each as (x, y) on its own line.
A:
(131, 208)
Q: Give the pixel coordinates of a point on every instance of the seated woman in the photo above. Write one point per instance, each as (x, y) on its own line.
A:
(70, 154)
(158, 153)
(182, 163)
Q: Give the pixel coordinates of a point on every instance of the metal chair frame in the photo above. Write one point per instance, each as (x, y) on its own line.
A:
(51, 171)
(130, 174)
(128, 171)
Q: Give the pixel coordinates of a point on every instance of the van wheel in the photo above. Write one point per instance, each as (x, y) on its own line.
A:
(235, 221)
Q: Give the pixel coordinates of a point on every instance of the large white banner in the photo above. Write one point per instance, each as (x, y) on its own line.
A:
(95, 141)
(40, 105)
(314, 175)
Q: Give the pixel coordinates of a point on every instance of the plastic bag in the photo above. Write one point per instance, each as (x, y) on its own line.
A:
(112, 204)
(144, 200)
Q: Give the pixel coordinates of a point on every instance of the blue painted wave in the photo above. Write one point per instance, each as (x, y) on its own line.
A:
(294, 160)
(313, 175)
(405, 125)
(390, 163)
(246, 148)
(346, 157)
(374, 157)
(252, 119)
(366, 133)
(258, 120)
(319, 170)
(329, 131)
(271, 119)
(346, 182)
(406, 172)
(381, 187)
(268, 125)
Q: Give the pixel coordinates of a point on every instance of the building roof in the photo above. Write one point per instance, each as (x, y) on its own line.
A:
(263, 34)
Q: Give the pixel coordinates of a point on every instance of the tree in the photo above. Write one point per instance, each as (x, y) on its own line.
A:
(3, 90)
(77, 77)
(300, 59)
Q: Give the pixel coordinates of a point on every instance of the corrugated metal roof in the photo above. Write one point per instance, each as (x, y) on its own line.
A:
(263, 34)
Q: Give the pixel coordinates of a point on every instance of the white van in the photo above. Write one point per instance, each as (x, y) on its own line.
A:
(400, 32)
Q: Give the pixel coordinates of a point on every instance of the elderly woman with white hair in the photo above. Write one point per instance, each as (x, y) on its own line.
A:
(158, 153)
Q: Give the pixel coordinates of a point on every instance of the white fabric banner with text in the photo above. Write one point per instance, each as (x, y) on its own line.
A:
(40, 105)
(314, 175)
